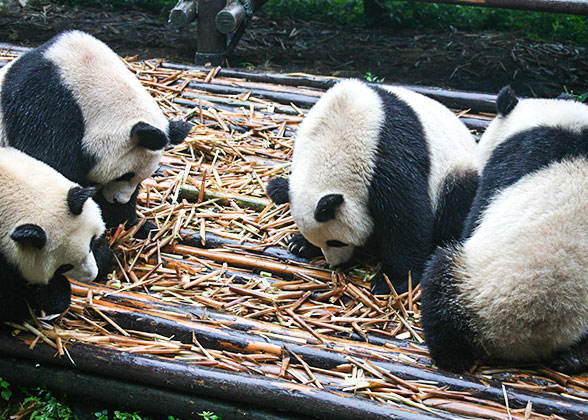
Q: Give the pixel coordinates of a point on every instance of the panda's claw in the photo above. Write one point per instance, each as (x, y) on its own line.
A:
(573, 360)
(300, 246)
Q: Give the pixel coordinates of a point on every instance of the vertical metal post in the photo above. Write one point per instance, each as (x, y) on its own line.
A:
(212, 44)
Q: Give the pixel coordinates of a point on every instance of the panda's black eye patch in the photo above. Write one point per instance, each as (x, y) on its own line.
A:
(336, 244)
(64, 269)
(126, 177)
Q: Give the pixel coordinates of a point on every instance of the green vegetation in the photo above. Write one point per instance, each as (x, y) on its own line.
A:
(40, 404)
(583, 97)
(372, 78)
(536, 25)
(400, 14)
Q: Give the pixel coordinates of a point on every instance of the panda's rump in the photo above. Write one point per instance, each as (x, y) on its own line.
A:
(526, 264)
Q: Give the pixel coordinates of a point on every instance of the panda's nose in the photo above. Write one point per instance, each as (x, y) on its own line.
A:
(116, 200)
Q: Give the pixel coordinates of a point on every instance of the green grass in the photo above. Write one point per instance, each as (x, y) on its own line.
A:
(536, 25)
(40, 404)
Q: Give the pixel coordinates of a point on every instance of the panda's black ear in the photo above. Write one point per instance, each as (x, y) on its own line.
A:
(148, 136)
(506, 101)
(77, 196)
(178, 130)
(278, 190)
(325, 209)
(30, 234)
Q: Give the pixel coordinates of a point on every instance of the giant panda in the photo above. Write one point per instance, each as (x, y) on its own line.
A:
(516, 286)
(48, 229)
(74, 105)
(382, 170)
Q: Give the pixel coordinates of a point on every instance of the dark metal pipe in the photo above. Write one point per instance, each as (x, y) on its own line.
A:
(228, 19)
(572, 7)
(183, 13)
(212, 44)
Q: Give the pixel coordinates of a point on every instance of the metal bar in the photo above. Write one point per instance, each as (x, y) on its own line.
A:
(571, 7)
(212, 44)
(183, 13)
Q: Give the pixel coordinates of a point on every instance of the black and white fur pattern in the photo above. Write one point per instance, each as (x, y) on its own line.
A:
(516, 287)
(385, 170)
(74, 105)
(49, 226)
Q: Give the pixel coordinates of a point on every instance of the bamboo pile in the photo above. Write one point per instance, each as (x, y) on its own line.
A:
(212, 311)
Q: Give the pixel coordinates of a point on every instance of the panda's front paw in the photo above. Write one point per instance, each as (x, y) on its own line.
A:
(300, 246)
(380, 286)
(104, 258)
(144, 230)
(571, 361)
(53, 298)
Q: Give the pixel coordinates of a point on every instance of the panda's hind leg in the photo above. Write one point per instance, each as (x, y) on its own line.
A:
(300, 246)
(448, 332)
(455, 200)
(573, 360)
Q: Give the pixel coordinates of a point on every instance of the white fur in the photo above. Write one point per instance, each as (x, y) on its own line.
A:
(451, 146)
(334, 152)
(530, 113)
(524, 271)
(3, 71)
(32, 192)
(112, 101)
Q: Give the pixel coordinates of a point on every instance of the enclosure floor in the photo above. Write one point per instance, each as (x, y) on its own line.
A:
(215, 291)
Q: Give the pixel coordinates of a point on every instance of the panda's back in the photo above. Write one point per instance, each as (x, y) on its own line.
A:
(524, 271)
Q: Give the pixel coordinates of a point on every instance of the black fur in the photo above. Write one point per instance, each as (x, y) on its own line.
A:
(118, 214)
(278, 189)
(326, 206)
(49, 128)
(506, 101)
(30, 235)
(399, 202)
(178, 130)
(447, 329)
(520, 155)
(148, 136)
(16, 292)
(77, 196)
(455, 200)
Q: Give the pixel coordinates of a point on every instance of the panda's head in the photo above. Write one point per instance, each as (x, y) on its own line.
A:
(124, 130)
(120, 177)
(48, 222)
(514, 115)
(330, 221)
